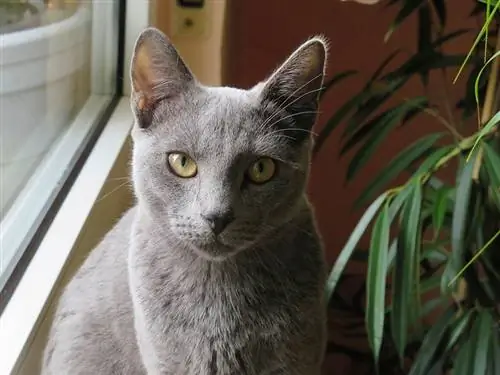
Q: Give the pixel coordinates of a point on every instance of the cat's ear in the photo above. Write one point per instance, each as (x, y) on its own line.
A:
(295, 86)
(157, 73)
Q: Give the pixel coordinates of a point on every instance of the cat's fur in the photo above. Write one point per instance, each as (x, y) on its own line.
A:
(160, 295)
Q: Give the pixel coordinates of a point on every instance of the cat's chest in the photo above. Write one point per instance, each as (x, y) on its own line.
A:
(219, 310)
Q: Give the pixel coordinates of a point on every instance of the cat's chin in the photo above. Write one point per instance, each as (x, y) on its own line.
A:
(216, 251)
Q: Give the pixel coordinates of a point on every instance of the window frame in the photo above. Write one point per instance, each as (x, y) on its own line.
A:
(26, 296)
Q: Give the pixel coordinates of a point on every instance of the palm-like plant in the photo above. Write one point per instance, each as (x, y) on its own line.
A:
(431, 236)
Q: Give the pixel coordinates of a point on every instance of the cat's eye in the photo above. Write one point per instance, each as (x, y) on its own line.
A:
(182, 165)
(262, 170)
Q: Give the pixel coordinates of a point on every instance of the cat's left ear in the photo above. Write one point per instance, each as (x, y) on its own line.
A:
(157, 73)
(295, 86)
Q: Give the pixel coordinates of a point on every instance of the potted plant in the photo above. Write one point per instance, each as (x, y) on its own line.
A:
(435, 242)
(43, 50)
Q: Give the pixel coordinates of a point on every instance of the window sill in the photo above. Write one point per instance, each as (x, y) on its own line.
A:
(24, 312)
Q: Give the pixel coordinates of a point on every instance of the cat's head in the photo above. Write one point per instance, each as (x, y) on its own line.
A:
(219, 167)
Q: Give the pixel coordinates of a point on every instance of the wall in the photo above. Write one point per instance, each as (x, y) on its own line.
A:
(258, 36)
(202, 54)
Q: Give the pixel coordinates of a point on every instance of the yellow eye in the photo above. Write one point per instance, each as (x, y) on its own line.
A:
(182, 165)
(262, 170)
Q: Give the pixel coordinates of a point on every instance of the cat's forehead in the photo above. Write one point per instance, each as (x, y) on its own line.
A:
(218, 119)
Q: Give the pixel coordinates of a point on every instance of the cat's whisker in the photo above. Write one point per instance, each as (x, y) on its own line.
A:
(294, 115)
(114, 190)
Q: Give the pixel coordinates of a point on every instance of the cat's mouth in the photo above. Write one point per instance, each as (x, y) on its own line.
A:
(215, 250)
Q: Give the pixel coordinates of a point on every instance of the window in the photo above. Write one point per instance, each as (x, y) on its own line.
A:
(60, 63)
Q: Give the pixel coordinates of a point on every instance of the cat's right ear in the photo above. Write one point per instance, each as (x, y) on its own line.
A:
(157, 73)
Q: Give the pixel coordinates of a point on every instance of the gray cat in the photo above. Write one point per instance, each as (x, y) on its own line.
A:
(218, 269)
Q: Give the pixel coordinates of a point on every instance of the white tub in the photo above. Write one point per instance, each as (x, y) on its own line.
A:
(40, 86)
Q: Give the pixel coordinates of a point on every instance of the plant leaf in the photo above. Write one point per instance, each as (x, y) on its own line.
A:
(423, 361)
(429, 164)
(460, 214)
(378, 133)
(336, 119)
(405, 270)
(440, 7)
(376, 281)
(478, 78)
(351, 244)
(458, 330)
(399, 164)
(484, 29)
(440, 208)
(492, 161)
(494, 366)
(398, 201)
(462, 362)
(407, 9)
(480, 339)
(424, 36)
(375, 94)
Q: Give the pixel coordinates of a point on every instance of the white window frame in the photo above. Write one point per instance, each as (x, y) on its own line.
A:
(21, 317)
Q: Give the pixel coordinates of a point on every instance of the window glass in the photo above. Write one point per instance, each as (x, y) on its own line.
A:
(58, 79)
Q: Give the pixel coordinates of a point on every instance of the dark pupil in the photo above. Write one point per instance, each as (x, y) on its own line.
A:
(183, 161)
(260, 167)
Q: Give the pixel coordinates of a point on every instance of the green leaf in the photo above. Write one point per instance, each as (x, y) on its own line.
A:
(423, 361)
(492, 161)
(336, 80)
(376, 281)
(494, 365)
(484, 29)
(480, 340)
(458, 330)
(336, 119)
(378, 132)
(460, 215)
(351, 244)
(398, 201)
(375, 95)
(399, 164)
(478, 78)
(405, 272)
(430, 283)
(431, 305)
(392, 254)
(390, 117)
(463, 360)
(434, 254)
(440, 208)
(433, 160)
(409, 6)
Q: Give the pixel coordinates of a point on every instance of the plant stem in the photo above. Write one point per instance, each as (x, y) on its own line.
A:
(489, 105)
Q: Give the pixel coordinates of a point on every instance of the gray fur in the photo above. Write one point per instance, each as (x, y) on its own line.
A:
(162, 294)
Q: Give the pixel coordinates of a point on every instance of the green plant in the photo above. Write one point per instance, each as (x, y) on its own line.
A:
(435, 242)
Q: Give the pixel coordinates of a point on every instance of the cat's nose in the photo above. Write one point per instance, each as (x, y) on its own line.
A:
(219, 221)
